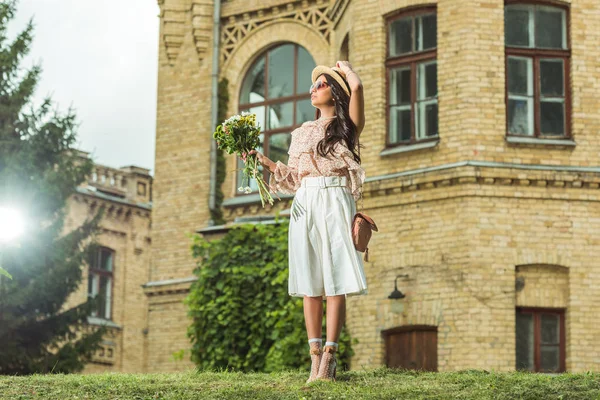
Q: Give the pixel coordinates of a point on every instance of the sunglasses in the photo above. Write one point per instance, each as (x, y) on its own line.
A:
(318, 85)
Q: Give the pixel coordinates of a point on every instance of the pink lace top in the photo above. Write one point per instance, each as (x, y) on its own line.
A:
(304, 161)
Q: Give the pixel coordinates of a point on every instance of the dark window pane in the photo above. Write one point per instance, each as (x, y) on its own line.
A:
(551, 77)
(553, 118)
(426, 32)
(550, 329)
(431, 120)
(524, 338)
(550, 29)
(94, 259)
(91, 284)
(106, 260)
(550, 358)
(400, 86)
(426, 119)
(260, 115)
(253, 88)
(427, 81)
(520, 72)
(240, 166)
(345, 48)
(280, 115)
(281, 71)
(240, 181)
(304, 111)
(399, 124)
(520, 117)
(279, 145)
(400, 36)
(517, 26)
(305, 66)
(104, 295)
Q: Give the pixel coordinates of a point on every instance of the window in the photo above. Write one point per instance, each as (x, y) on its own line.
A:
(537, 70)
(276, 90)
(100, 281)
(411, 67)
(141, 189)
(540, 338)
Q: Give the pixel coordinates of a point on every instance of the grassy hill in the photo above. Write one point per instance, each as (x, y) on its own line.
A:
(377, 384)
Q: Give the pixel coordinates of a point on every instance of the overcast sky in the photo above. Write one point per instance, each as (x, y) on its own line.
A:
(100, 57)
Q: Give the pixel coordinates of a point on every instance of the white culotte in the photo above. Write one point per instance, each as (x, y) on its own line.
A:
(322, 257)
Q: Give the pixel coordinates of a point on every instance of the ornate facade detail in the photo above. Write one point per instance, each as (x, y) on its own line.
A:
(320, 15)
(314, 13)
(172, 18)
(337, 11)
(202, 15)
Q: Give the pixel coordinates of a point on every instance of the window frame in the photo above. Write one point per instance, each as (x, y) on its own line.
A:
(412, 60)
(101, 272)
(280, 100)
(537, 335)
(537, 54)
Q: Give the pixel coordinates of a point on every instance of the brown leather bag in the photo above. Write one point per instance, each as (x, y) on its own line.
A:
(362, 227)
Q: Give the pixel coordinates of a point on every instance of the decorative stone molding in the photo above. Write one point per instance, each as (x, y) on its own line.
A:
(337, 10)
(172, 19)
(170, 286)
(485, 174)
(202, 16)
(312, 13)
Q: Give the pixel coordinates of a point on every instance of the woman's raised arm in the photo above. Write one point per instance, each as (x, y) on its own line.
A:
(357, 101)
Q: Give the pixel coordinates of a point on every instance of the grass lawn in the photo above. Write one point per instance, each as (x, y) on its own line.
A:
(378, 384)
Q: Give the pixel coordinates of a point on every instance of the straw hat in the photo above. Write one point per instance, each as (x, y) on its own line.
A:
(335, 73)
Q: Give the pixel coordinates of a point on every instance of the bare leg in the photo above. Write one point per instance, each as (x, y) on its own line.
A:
(313, 316)
(336, 316)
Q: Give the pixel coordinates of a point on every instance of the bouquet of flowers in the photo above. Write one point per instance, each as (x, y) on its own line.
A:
(239, 134)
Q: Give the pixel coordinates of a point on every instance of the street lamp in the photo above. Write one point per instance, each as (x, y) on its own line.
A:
(12, 226)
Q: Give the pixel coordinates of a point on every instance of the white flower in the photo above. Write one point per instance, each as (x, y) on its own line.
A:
(248, 190)
(241, 189)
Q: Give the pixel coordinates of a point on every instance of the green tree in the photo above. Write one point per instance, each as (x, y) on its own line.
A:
(39, 171)
(243, 317)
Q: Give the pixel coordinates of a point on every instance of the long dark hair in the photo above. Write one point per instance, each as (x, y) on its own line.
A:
(342, 128)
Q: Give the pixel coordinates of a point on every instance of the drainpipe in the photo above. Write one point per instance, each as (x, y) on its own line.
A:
(214, 106)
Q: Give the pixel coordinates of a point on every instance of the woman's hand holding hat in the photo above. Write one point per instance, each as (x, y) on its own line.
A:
(344, 66)
(351, 76)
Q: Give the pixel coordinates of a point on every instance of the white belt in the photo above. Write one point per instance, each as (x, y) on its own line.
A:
(323, 181)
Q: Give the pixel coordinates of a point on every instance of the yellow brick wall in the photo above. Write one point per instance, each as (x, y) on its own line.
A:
(126, 230)
(459, 232)
(183, 135)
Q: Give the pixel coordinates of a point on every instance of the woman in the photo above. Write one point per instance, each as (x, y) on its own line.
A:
(325, 174)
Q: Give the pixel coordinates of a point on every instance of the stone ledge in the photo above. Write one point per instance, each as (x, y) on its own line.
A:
(103, 322)
(545, 142)
(409, 148)
(168, 286)
(250, 199)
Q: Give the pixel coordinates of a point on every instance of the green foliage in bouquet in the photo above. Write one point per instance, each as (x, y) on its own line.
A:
(240, 135)
(243, 317)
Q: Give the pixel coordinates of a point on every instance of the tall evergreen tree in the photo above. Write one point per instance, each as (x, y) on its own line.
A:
(39, 171)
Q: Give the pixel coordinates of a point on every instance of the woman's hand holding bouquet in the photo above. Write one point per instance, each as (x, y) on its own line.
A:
(239, 134)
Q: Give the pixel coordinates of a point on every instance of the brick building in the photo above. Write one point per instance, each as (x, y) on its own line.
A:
(481, 153)
(121, 265)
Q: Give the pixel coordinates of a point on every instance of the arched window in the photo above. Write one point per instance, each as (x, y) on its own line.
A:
(537, 69)
(276, 89)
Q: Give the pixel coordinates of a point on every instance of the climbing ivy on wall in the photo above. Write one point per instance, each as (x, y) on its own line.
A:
(243, 317)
